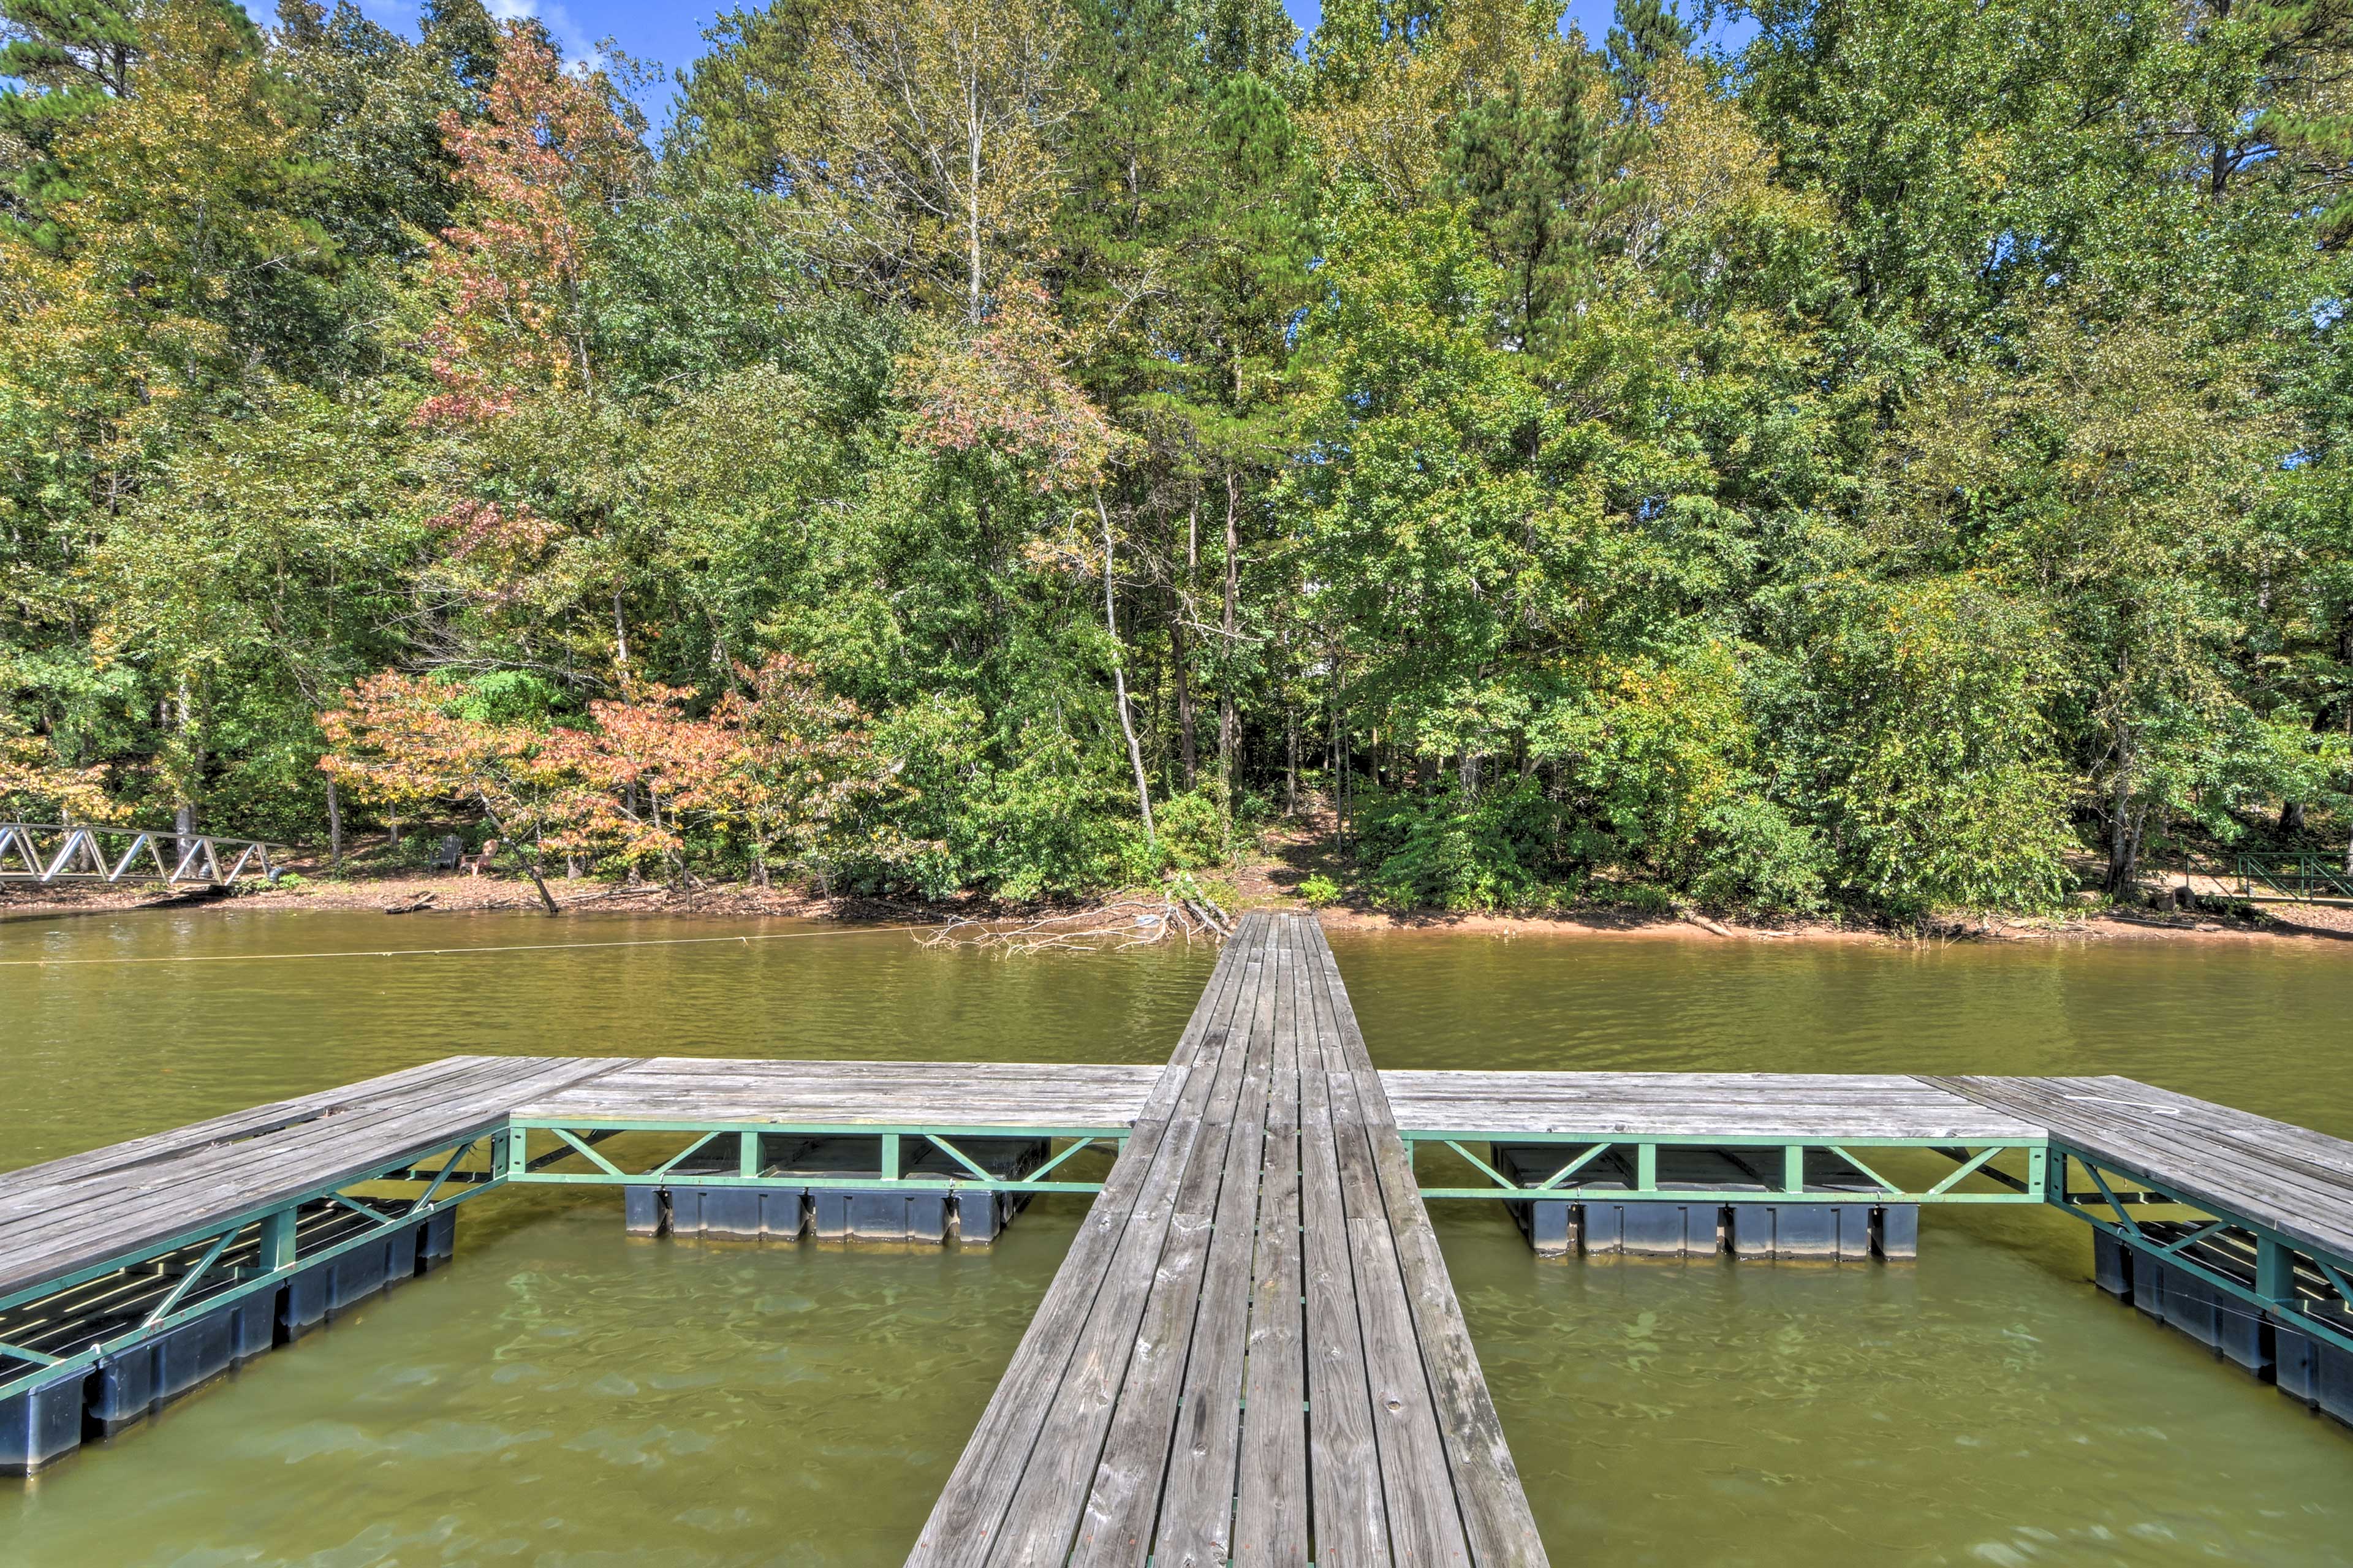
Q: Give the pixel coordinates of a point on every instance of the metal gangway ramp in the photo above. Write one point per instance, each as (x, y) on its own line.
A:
(50, 852)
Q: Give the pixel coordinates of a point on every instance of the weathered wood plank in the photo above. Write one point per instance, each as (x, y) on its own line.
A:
(1197, 1500)
(1124, 1500)
(2229, 1160)
(1494, 1512)
(1270, 1522)
(1042, 1519)
(139, 1205)
(1697, 1105)
(1351, 1522)
(963, 1524)
(1424, 1525)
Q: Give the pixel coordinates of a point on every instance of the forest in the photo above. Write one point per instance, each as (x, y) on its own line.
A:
(1897, 464)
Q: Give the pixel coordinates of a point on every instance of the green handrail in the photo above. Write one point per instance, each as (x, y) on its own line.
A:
(2301, 876)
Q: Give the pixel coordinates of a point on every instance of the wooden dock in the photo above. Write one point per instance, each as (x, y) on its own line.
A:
(60, 1219)
(1251, 1353)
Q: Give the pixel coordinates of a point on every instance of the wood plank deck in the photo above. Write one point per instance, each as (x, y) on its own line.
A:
(2296, 1180)
(1011, 1095)
(1252, 1351)
(1858, 1106)
(79, 1212)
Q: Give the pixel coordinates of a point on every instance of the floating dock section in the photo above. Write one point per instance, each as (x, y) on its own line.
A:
(1251, 1353)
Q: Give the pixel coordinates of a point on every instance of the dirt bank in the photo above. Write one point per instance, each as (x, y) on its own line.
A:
(460, 893)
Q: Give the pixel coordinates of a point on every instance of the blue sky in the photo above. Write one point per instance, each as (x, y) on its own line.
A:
(672, 34)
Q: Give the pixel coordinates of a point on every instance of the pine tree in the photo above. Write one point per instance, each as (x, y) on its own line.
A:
(71, 58)
(1538, 166)
(1646, 32)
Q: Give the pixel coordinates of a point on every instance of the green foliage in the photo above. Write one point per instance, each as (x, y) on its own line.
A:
(1861, 473)
(1320, 891)
(1930, 748)
(1438, 850)
(1194, 831)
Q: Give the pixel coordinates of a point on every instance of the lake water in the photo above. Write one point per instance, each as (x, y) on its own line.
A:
(567, 1397)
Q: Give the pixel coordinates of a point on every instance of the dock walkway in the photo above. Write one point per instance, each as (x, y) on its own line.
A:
(1252, 1346)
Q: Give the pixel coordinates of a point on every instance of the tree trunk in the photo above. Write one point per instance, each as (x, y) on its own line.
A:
(184, 817)
(1226, 722)
(1290, 761)
(972, 191)
(1119, 684)
(1188, 755)
(334, 827)
(2125, 821)
(529, 864)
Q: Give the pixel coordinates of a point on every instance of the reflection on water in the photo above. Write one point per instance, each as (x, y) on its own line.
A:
(564, 1396)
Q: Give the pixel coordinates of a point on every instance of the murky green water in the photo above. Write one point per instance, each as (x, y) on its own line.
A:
(565, 1397)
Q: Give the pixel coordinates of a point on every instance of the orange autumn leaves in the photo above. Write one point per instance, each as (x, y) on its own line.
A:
(546, 154)
(781, 770)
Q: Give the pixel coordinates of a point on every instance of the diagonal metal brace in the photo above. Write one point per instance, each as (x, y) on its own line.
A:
(1884, 1185)
(599, 1160)
(1570, 1169)
(960, 1157)
(1949, 1183)
(1500, 1180)
(188, 1281)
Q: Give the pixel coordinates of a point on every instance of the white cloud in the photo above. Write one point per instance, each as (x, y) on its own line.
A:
(577, 46)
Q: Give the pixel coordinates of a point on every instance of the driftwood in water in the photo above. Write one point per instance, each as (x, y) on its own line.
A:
(1178, 911)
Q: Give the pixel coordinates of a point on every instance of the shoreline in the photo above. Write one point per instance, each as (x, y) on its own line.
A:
(456, 893)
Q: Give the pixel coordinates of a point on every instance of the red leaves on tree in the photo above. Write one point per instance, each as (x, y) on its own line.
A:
(1003, 388)
(802, 768)
(546, 154)
(637, 776)
(397, 740)
(783, 771)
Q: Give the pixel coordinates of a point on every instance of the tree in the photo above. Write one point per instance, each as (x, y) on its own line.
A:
(1539, 163)
(548, 157)
(68, 58)
(399, 739)
(802, 774)
(916, 142)
(33, 784)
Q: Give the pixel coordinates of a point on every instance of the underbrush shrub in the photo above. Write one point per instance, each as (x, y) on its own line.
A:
(1192, 831)
(1753, 855)
(1438, 850)
(1320, 891)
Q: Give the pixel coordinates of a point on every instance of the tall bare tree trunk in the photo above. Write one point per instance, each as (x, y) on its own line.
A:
(185, 818)
(335, 826)
(2125, 822)
(972, 193)
(1119, 684)
(1290, 761)
(1226, 723)
(1189, 749)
